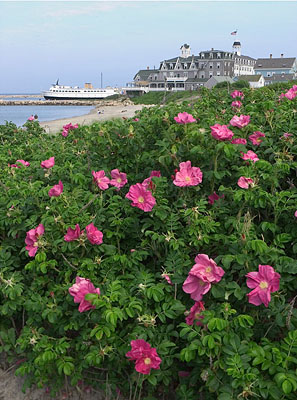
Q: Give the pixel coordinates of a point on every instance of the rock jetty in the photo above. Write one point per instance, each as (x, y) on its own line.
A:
(96, 103)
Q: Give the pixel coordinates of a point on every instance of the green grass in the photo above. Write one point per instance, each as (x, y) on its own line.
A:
(163, 97)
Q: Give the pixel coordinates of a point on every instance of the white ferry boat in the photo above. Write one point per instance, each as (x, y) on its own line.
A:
(61, 92)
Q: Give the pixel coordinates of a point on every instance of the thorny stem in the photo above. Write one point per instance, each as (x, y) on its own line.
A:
(67, 262)
(90, 202)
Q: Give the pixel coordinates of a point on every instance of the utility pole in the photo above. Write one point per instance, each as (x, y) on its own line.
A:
(101, 80)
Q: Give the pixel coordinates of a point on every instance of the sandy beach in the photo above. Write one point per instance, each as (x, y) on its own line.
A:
(105, 112)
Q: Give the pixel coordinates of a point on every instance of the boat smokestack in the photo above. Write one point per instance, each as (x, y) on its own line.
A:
(88, 85)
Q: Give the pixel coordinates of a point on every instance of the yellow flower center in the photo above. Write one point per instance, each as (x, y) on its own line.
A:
(147, 361)
(201, 283)
(208, 269)
(197, 315)
(98, 180)
(263, 285)
(187, 179)
(140, 199)
(119, 180)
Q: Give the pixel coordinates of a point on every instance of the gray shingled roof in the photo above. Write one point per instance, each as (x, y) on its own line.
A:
(145, 73)
(247, 57)
(280, 78)
(189, 80)
(222, 79)
(275, 62)
(249, 78)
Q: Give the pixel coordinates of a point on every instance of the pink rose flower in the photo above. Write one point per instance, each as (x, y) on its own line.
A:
(286, 135)
(240, 121)
(73, 234)
(294, 87)
(14, 166)
(68, 127)
(167, 277)
(119, 179)
(56, 190)
(48, 163)
(195, 314)
(221, 132)
(264, 282)
(245, 183)
(196, 287)
(31, 118)
(147, 183)
(184, 118)
(32, 239)
(25, 163)
(239, 141)
(290, 94)
(236, 104)
(136, 119)
(237, 93)
(141, 197)
(201, 276)
(250, 155)
(214, 197)
(93, 234)
(295, 214)
(101, 180)
(255, 138)
(206, 269)
(146, 357)
(187, 175)
(79, 290)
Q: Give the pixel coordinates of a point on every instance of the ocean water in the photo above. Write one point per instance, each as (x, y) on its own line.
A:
(20, 114)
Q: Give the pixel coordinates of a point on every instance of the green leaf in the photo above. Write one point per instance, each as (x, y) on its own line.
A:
(287, 386)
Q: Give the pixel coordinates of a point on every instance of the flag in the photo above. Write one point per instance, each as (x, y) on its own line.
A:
(234, 33)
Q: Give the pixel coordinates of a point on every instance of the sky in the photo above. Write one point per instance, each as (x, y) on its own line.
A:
(75, 41)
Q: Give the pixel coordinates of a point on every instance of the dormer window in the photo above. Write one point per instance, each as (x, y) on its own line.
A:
(202, 55)
(219, 55)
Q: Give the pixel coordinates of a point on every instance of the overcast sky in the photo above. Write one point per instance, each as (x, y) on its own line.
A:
(76, 41)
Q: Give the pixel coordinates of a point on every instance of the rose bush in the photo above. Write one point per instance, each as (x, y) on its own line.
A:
(126, 262)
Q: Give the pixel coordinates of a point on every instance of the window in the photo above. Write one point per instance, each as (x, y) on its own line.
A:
(218, 65)
(218, 73)
(210, 65)
(202, 55)
(185, 66)
(210, 74)
(219, 55)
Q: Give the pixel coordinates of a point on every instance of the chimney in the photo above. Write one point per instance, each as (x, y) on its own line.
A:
(147, 67)
(270, 55)
(282, 55)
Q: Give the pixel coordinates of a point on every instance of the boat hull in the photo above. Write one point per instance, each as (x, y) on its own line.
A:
(74, 98)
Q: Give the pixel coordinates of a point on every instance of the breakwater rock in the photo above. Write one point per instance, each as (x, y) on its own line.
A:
(95, 103)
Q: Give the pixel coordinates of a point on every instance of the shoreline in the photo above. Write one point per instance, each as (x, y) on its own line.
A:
(107, 112)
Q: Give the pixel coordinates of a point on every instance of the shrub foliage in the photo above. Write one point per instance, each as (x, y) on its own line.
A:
(239, 350)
